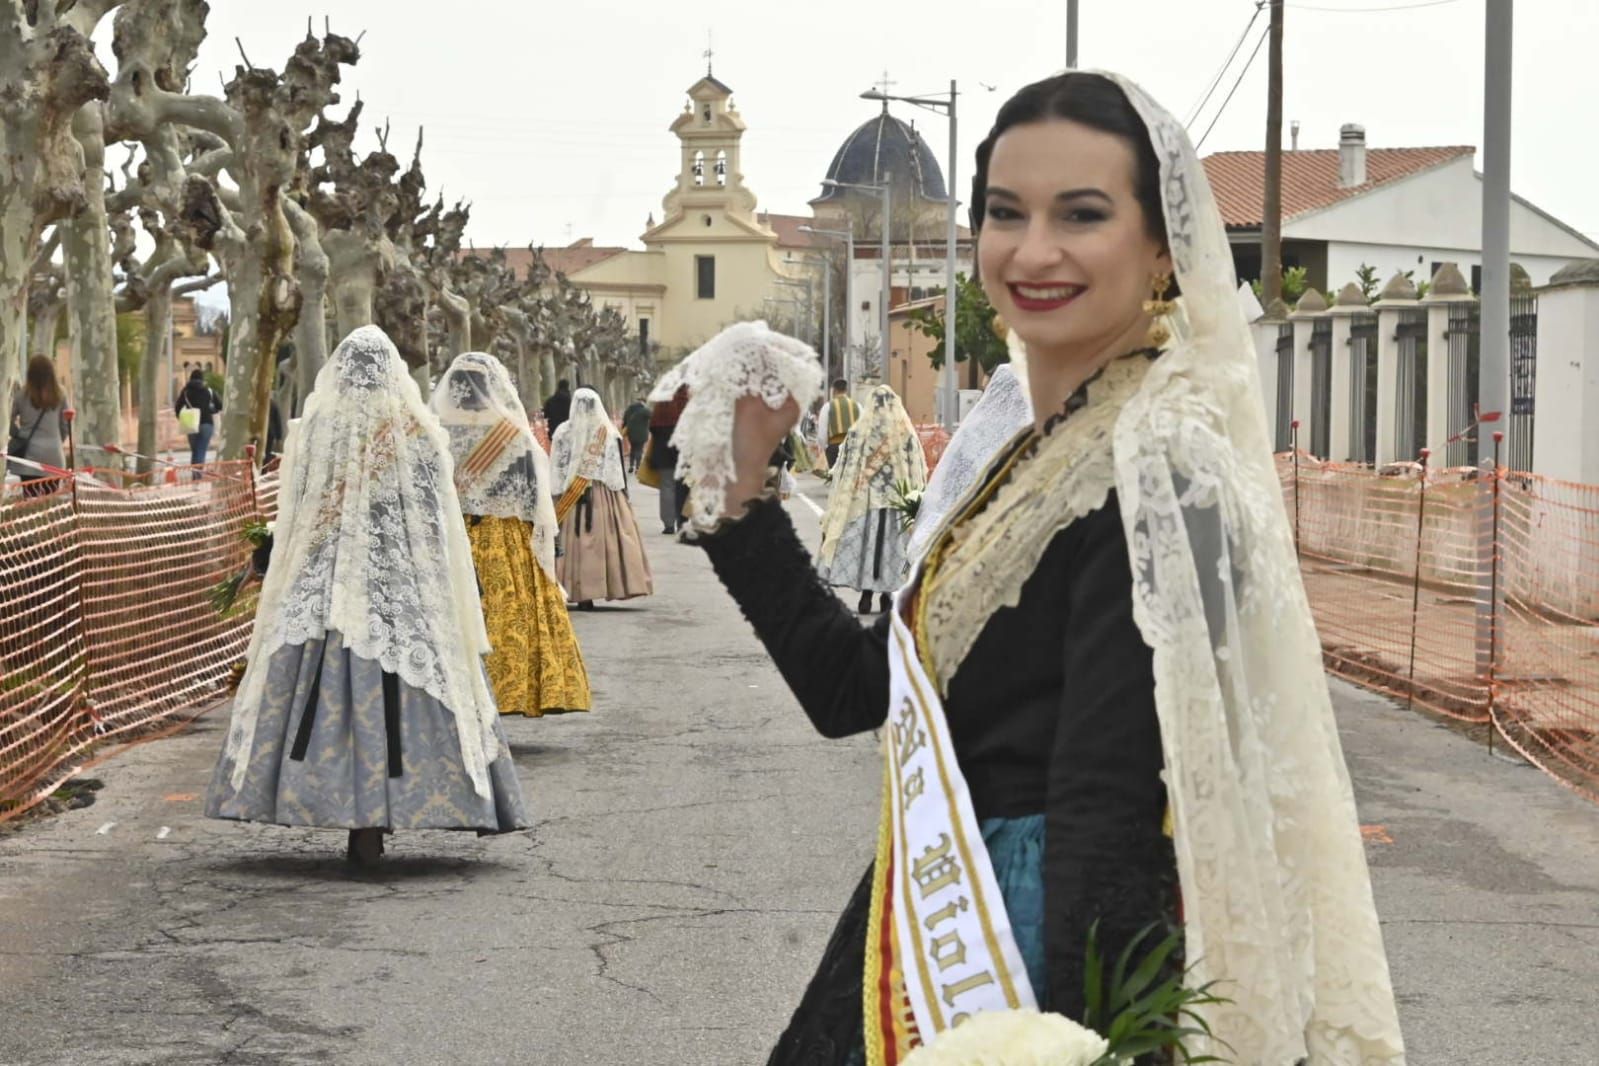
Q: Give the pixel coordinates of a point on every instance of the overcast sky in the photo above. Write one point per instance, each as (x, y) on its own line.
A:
(552, 118)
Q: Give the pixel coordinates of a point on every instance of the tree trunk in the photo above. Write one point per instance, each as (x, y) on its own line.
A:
(547, 373)
(86, 251)
(244, 304)
(42, 331)
(153, 371)
(458, 324)
(311, 330)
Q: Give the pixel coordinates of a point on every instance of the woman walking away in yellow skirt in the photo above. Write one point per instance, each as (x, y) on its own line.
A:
(502, 477)
(604, 557)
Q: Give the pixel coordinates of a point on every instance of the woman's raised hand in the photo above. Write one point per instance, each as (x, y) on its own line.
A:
(757, 431)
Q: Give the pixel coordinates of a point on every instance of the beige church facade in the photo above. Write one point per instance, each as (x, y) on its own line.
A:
(711, 261)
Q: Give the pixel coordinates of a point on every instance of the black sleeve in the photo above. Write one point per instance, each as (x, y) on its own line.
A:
(1106, 857)
(261, 558)
(836, 668)
(216, 401)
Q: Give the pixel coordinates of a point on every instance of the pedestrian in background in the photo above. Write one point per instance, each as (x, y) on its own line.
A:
(558, 408)
(663, 457)
(197, 407)
(38, 424)
(841, 415)
(636, 426)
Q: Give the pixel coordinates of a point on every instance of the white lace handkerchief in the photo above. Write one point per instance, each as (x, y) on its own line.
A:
(746, 359)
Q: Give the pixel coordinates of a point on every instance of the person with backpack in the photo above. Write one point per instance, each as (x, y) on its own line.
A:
(197, 407)
(38, 426)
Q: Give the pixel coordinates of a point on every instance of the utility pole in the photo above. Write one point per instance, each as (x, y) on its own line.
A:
(1271, 219)
(1493, 368)
(1071, 34)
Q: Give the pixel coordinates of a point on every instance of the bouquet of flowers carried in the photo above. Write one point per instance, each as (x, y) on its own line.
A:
(224, 594)
(1138, 1013)
(908, 502)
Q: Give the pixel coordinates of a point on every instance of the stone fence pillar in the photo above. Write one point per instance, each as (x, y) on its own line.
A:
(1566, 404)
(1397, 297)
(1350, 303)
(1444, 421)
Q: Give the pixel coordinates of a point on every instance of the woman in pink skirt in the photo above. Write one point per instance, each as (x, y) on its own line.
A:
(604, 554)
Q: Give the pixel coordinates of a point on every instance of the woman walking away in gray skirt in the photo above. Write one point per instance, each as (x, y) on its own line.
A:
(365, 705)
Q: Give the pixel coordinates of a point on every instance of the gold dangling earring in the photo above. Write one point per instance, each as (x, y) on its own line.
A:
(1157, 308)
(1001, 330)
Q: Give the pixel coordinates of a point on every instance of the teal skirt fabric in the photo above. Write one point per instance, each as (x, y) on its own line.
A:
(1016, 851)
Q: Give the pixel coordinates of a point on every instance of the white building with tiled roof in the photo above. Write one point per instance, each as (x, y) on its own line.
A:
(1395, 209)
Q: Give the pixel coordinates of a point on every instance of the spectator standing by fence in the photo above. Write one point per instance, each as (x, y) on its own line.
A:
(38, 423)
(197, 407)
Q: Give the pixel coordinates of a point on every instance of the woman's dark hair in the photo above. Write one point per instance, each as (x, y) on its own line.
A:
(1092, 100)
(196, 375)
(44, 392)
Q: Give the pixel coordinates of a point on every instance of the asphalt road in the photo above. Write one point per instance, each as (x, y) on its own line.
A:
(694, 843)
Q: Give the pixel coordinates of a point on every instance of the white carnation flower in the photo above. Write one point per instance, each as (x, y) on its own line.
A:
(1013, 1038)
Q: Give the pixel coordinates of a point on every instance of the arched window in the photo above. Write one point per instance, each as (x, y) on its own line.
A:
(699, 168)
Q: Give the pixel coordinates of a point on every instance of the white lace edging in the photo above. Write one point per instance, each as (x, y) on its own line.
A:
(746, 359)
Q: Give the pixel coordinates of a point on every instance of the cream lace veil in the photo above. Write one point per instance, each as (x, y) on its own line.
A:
(1276, 893)
(587, 445)
(369, 543)
(1001, 413)
(500, 470)
(881, 453)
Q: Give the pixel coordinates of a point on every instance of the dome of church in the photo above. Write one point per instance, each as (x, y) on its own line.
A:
(885, 145)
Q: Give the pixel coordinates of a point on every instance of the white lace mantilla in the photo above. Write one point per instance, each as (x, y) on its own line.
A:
(369, 542)
(746, 359)
(587, 445)
(500, 470)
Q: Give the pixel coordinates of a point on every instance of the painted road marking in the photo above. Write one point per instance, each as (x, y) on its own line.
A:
(104, 829)
(808, 502)
(162, 835)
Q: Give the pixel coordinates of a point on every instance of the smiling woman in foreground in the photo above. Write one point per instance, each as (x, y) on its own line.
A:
(1101, 695)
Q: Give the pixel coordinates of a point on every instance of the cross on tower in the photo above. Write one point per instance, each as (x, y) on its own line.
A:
(710, 52)
(883, 86)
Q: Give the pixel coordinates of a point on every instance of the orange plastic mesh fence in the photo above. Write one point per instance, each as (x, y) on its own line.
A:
(1475, 596)
(42, 656)
(934, 440)
(113, 632)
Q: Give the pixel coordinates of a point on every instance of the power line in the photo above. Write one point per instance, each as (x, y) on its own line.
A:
(1264, 34)
(1372, 10)
(1242, 37)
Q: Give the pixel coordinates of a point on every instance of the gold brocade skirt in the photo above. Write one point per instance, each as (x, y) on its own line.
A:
(535, 665)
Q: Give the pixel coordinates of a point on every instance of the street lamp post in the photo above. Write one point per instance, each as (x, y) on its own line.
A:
(849, 289)
(886, 188)
(948, 402)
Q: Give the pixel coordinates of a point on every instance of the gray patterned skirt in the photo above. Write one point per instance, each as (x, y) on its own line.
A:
(871, 554)
(340, 744)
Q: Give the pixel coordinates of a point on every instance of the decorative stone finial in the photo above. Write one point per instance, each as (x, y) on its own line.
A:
(1582, 272)
(1520, 280)
(1399, 287)
(1351, 296)
(1448, 281)
(1312, 302)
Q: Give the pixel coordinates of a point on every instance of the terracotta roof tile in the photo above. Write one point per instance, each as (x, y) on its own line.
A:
(1310, 178)
(577, 256)
(787, 228)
